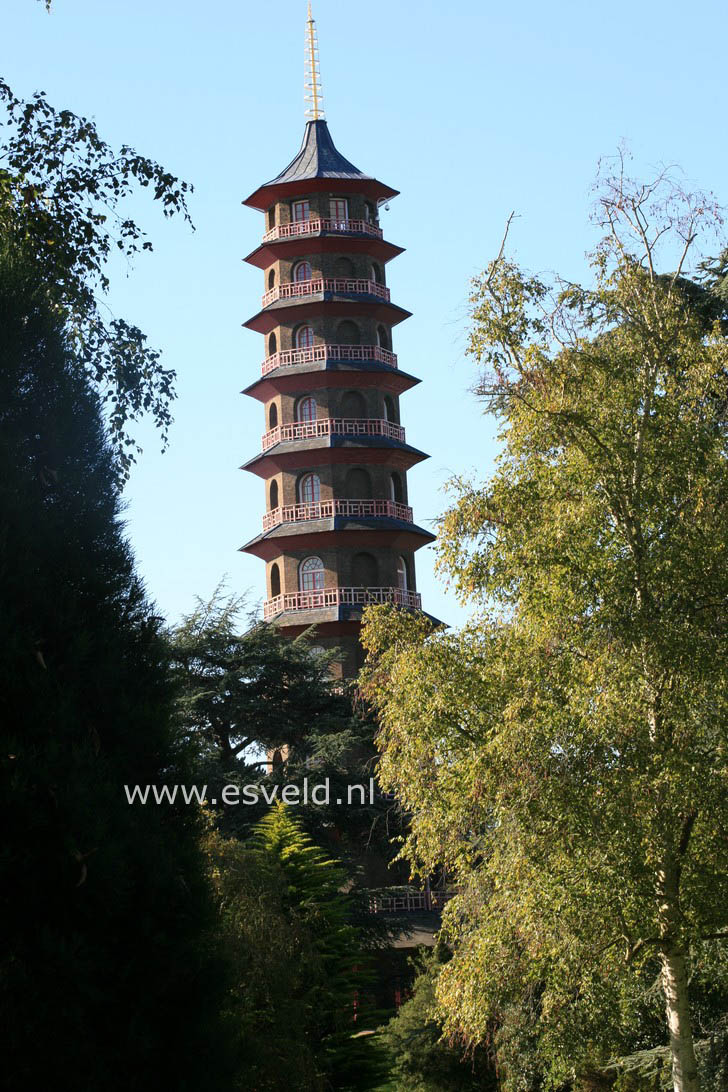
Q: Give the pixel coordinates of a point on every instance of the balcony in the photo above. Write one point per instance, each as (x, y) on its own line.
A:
(319, 226)
(340, 286)
(331, 426)
(353, 509)
(290, 357)
(335, 597)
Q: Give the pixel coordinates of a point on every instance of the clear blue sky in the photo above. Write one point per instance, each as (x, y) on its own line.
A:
(470, 109)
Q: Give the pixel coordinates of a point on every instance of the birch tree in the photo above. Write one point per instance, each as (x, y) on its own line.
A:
(565, 754)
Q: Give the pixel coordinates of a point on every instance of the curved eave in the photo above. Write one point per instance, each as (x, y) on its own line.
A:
(325, 243)
(330, 374)
(322, 451)
(341, 621)
(270, 192)
(283, 311)
(338, 531)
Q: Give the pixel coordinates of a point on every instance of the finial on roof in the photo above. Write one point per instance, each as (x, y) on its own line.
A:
(313, 96)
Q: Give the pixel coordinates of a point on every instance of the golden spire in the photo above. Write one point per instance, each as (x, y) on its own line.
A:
(313, 95)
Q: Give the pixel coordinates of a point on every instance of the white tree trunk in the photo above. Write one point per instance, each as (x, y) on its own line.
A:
(675, 977)
(675, 988)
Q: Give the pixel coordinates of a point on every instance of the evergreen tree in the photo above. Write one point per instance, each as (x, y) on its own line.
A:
(423, 1060)
(106, 979)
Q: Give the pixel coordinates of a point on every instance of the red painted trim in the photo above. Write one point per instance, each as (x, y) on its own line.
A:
(270, 463)
(268, 194)
(285, 312)
(267, 253)
(395, 382)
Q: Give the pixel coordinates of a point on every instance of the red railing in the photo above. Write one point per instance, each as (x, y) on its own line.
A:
(316, 226)
(330, 426)
(342, 286)
(289, 357)
(362, 509)
(334, 597)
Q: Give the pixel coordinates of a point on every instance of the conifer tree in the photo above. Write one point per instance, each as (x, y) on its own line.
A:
(105, 978)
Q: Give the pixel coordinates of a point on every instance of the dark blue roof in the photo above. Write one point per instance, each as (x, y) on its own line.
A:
(318, 158)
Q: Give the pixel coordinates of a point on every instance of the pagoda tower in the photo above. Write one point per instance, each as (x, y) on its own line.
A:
(338, 533)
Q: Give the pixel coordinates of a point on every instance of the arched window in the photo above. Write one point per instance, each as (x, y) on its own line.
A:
(272, 344)
(273, 494)
(306, 409)
(376, 273)
(273, 416)
(276, 759)
(348, 333)
(395, 488)
(402, 574)
(390, 410)
(304, 337)
(309, 489)
(383, 339)
(272, 279)
(302, 272)
(358, 485)
(364, 571)
(370, 213)
(344, 267)
(275, 580)
(271, 217)
(311, 574)
(353, 405)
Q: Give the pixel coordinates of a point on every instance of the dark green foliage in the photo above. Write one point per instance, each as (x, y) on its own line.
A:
(301, 981)
(249, 691)
(423, 1062)
(106, 980)
(62, 190)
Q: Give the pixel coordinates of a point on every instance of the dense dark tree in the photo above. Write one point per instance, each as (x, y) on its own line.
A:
(249, 694)
(423, 1061)
(106, 978)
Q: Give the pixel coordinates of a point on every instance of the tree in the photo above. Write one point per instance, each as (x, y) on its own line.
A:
(108, 977)
(246, 691)
(564, 754)
(62, 192)
(423, 1060)
(300, 960)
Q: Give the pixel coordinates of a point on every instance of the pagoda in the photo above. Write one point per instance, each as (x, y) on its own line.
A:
(338, 533)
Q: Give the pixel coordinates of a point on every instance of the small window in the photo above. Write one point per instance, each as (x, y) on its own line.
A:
(302, 272)
(306, 409)
(396, 491)
(273, 495)
(311, 574)
(309, 489)
(273, 416)
(301, 211)
(402, 574)
(272, 344)
(272, 279)
(339, 211)
(376, 273)
(275, 580)
(272, 217)
(317, 650)
(384, 341)
(304, 337)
